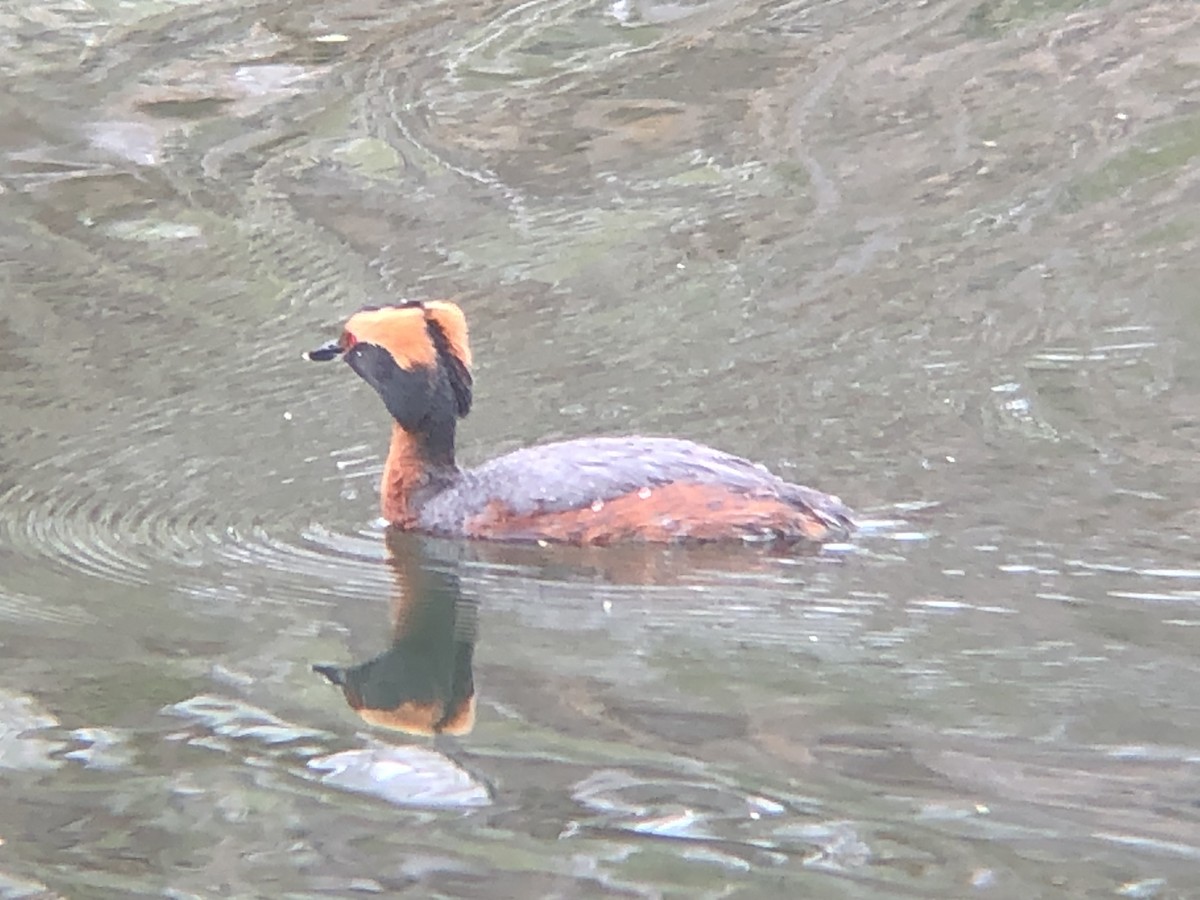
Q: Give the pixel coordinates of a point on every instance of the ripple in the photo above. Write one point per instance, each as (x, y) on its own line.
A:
(405, 776)
(236, 720)
(349, 565)
(136, 515)
(734, 828)
(87, 533)
(20, 745)
(675, 808)
(18, 607)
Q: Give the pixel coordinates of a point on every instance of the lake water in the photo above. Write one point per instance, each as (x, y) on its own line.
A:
(936, 257)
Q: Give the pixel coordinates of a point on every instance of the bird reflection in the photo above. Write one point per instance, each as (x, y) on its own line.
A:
(423, 683)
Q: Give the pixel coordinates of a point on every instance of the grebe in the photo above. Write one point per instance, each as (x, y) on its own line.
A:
(598, 490)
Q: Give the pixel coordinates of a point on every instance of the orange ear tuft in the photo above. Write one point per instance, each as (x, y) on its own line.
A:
(398, 329)
(454, 325)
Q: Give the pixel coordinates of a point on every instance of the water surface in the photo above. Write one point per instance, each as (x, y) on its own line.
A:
(935, 257)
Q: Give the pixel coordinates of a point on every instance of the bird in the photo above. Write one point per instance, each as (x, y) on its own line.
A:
(593, 491)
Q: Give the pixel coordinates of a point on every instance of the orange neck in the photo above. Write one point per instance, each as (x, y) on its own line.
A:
(410, 478)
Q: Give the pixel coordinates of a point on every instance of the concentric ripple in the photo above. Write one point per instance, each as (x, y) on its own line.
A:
(138, 516)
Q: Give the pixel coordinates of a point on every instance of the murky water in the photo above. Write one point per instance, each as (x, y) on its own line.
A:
(938, 258)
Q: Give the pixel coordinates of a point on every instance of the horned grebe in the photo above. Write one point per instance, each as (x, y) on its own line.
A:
(597, 490)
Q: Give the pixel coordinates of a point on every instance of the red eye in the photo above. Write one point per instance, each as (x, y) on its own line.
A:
(348, 340)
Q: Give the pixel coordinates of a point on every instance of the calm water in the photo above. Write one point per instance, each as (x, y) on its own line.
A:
(936, 257)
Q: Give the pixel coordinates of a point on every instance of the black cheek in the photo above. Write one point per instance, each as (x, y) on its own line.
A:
(407, 394)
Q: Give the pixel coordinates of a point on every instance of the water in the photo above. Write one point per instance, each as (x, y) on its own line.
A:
(936, 258)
